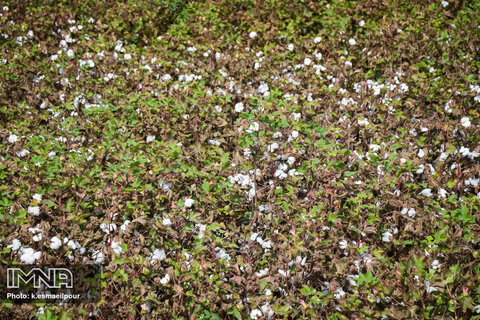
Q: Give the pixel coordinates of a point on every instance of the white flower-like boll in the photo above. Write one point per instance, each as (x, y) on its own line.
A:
(189, 203)
(55, 243)
(12, 138)
(465, 121)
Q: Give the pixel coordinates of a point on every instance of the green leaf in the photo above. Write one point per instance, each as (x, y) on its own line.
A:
(206, 187)
(236, 313)
(395, 146)
(307, 291)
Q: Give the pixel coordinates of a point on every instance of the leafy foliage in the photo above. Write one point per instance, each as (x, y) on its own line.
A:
(245, 159)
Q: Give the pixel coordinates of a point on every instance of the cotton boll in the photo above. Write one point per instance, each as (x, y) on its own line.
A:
(277, 135)
(98, 257)
(263, 89)
(264, 208)
(150, 139)
(465, 121)
(123, 227)
(429, 288)
(443, 157)
(272, 147)
(189, 203)
(28, 255)
(464, 151)
(284, 273)
(165, 279)
(16, 244)
(166, 77)
(221, 254)
(255, 314)
(363, 122)
(307, 61)
(290, 47)
(339, 293)
(267, 310)
(34, 210)
(352, 42)
(265, 244)
(262, 273)
(296, 116)
(167, 222)
(239, 107)
(420, 169)
(426, 192)
(386, 236)
(201, 231)
(253, 127)
(107, 228)
(12, 138)
(361, 23)
(280, 174)
(253, 35)
(412, 213)
(158, 255)
(442, 193)
(374, 147)
(55, 243)
(23, 153)
(116, 247)
(73, 244)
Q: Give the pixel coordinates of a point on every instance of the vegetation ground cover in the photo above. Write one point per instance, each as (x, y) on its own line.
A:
(245, 159)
